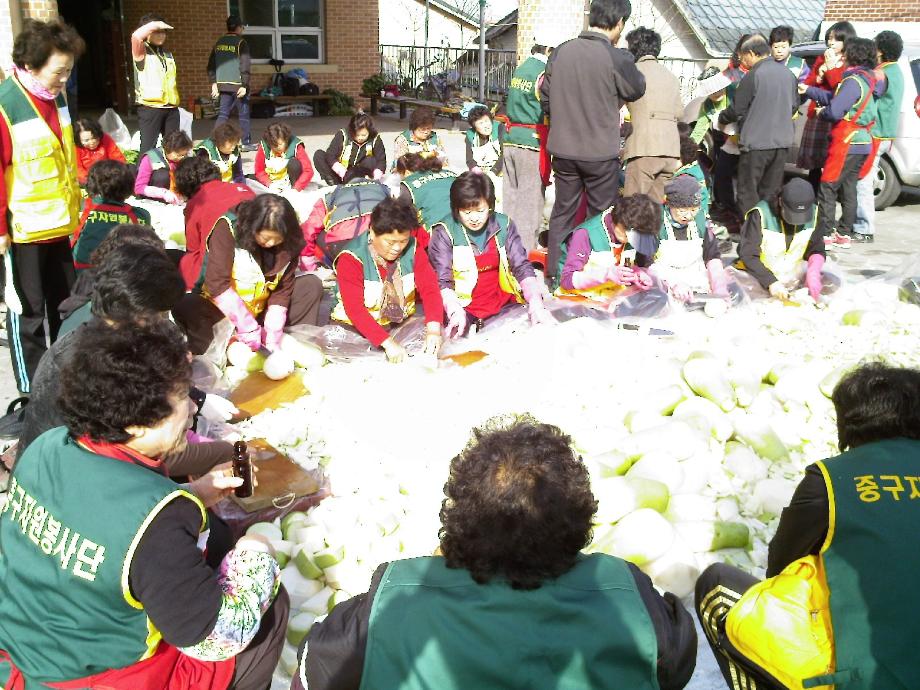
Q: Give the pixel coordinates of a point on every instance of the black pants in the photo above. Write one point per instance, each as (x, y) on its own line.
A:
(363, 169)
(600, 180)
(718, 589)
(760, 176)
(256, 664)
(197, 315)
(845, 188)
(723, 180)
(155, 121)
(42, 277)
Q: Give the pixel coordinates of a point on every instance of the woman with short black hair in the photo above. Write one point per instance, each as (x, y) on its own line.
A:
(420, 138)
(356, 151)
(93, 145)
(222, 148)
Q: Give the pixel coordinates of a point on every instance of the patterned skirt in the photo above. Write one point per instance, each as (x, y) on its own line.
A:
(816, 137)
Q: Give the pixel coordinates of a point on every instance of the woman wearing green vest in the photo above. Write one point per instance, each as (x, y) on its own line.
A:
(155, 82)
(356, 151)
(781, 245)
(379, 277)
(484, 148)
(223, 150)
(512, 602)
(426, 185)
(156, 173)
(781, 39)
(857, 513)
(99, 541)
(481, 263)
(282, 162)
(420, 138)
(228, 71)
(39, 197)
(248, 277)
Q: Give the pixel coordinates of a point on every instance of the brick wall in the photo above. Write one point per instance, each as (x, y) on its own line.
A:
(351, 40)
(566, 16)
(39, 9)
(875, 11)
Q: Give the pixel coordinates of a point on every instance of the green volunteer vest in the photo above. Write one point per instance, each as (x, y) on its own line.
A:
(352, 151)
(696, 172)
(889, 105)
(465, 271)
(871, 560)
(359, 249)
(795, 65)
(215, 156)
(227, 59)
(523, 104)
(431, 195)
(472, 136)
(353, 200)
(158, 159)
(68, 535)
(101, 217)
(667, 227)
(423, 147)
(291, 151)
(782, 261)
(869, 114)
(434, 627)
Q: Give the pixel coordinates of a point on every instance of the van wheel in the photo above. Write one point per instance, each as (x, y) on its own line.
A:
(887, 185)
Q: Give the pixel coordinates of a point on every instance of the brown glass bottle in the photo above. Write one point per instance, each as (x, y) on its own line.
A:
(242, 468)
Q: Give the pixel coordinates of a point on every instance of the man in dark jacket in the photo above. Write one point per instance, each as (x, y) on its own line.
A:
(228, 72)
(584, 86)
(763, 106)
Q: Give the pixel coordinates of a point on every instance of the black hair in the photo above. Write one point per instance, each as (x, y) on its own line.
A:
(890, 45)
(841, 31)
(415, 162)
(123, 234)
(193, 172)
(689, 150)
(606, 14)
(537, 49)
(226, 132)
(268, 212)
(860, 52)
(782, 33)
(642, 41)
(234, 22)
(85, 124)
(638, 212)
(276, 133)
(122, 377)
(480, 111)
(735, 59)
(176, 141)
(112, 180)
(135, 283)
(518, 506)
(468, 190)
(421, 117)
(755, 44)
(150, 17)
(362, 120)
(393, 215)
(37, 40)
(875, 402)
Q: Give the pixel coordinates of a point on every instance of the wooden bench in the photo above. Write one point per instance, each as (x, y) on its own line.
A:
(405, 102)
(320, 101)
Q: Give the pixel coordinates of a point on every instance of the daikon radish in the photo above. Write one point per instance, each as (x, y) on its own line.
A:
(706, 416)
(659, 467)
(707, 377)
(675, 571)
(619, 496)
(640, 537)
(712, 535)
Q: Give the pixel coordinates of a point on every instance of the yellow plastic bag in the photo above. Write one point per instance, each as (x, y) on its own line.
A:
(783, 624)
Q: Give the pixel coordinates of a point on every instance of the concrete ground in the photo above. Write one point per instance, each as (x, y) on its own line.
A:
(898, 228)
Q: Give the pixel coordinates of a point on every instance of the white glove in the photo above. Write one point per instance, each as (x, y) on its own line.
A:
(217, 409)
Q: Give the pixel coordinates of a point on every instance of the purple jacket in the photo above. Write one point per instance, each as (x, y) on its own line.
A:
(837, 105)
(441, 252)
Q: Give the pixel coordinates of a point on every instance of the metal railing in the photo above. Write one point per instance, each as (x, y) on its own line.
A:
(686, 71)
(410, 68)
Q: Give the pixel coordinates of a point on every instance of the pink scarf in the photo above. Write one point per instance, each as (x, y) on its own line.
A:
(32, 85)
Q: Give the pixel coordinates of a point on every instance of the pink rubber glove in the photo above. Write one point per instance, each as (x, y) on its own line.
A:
(456, 314)
(589, 278)
(274, 322)
(718, 282)
(339, 170)
(234, 308)
(644, 279)
(813, 276)
(308, 263)
(534, 295)
(378, 173)
(681, 292)
(172, 198)
(621, 275)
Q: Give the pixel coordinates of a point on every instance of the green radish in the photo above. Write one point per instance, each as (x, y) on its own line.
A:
(659, 467)
(266, 529)
(712, 535)
(706, 416)
(318, 604)
(640, 537)
(639, 420)
(675, 438)
(757, 433)
(619, 496)
(306, 565)
(829, 382)
(744, 463)
(675, 571)
(612, 463)
(289, 661)
(299, 626)
(329, 556)
(296, 516)
(690, 507)
(707, 377)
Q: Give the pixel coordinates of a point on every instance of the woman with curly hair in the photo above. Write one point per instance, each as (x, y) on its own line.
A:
(420, 138)
(512, 602)
(248, 277)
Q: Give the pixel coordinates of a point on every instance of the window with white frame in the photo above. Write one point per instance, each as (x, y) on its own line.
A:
(289, 30)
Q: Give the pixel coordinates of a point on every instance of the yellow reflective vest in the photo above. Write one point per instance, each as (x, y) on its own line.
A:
(785, 263)
(43, 195)
(155, 85)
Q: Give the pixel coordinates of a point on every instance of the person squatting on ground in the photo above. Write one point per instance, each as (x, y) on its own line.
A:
(156, 174)
(93, 145)
(356, 151)
(516, 515)
(420, 138)
(381, 276)
(222, 148)
(850, 520)
(40, 197)
(587, 79)
(282, 161)
(426, 185)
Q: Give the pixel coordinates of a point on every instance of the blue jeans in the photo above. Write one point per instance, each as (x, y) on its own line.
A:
(227, 101)
(865, 195)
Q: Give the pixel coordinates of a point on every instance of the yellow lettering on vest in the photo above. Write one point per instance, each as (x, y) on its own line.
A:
(867, 488)
(521, 84)
(896, 488)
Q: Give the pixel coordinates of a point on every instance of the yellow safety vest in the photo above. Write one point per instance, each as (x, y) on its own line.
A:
(43, 195)
(786, 264)
(155, 85)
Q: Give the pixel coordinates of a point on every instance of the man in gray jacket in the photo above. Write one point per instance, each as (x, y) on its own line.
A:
(764, 103)
(585, 84)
